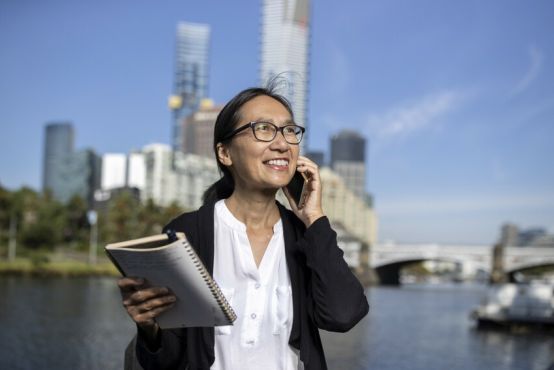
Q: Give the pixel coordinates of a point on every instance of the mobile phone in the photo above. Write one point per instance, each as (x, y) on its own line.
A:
(297, 188)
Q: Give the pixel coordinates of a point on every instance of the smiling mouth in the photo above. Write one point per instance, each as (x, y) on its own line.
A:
(278, 163)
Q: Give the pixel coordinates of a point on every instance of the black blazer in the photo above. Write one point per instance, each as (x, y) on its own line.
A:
(325, 293)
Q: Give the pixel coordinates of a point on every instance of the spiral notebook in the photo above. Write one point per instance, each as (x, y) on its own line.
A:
(170, 261)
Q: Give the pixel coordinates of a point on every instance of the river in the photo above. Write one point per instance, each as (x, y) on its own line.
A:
(56, 323)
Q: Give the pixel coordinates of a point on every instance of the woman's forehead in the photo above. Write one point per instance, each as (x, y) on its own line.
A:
(265, 107)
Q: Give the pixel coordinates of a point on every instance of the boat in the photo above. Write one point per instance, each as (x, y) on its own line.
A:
(517, 304)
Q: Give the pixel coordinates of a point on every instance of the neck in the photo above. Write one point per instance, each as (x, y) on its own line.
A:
(255, 210)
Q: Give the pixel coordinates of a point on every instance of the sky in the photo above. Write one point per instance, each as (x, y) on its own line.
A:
(455, 98)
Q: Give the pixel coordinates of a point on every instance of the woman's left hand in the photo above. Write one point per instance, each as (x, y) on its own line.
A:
(311, 210)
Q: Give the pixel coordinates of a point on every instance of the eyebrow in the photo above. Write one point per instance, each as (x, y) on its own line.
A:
(271, 120)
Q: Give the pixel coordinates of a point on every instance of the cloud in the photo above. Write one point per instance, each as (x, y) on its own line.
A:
(409, 118)
(535, 66)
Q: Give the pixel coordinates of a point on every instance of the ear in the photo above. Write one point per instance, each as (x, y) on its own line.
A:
(223, 155)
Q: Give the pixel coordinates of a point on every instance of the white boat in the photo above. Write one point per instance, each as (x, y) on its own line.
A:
(507, 304)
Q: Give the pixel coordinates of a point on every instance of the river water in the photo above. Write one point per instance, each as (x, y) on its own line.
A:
(56, 323)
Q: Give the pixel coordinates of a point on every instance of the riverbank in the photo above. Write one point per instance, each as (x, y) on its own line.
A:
(69, 268)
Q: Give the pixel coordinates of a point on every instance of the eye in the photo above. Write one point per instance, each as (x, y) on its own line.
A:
(289, 130)
(263, 127)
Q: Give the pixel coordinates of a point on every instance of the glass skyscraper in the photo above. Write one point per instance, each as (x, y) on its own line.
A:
(66, 172)
(191, 75)
(285, 51)
(58, 148)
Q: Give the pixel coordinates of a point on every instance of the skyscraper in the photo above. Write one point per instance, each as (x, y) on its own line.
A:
(58, 147)
(198, 129)
(191, 75)
(67, 172)
(285, 51)
(348, 160)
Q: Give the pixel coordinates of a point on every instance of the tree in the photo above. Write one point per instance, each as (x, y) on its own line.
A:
(122, 218)
(77, 228)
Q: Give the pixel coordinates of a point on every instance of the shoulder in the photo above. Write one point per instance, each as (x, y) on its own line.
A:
(187, 222)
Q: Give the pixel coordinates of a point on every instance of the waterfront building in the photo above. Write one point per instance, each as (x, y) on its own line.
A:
(285, 37)
(343, 206)
(191, 75)
(198, 129)
(348, 160)
(177, 177)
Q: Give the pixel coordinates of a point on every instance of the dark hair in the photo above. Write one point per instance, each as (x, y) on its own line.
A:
(225, 123)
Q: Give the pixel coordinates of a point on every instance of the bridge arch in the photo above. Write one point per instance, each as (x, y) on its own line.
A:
(512, 274)
(389, 273)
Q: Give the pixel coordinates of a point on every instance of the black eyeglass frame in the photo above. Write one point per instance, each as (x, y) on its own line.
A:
(277, 129)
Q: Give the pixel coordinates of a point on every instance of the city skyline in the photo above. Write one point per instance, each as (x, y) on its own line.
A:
(456, 99)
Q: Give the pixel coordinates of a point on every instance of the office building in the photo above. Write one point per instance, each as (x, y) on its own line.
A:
(344, 207)
(80, 176)
(177, 177)
(123, 171)
(285, 37)
(191, 75)
(58, 147)
(348, 160)
(67, 172)
(198, 129)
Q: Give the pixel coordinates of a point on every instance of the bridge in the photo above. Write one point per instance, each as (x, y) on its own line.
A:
(388, 259)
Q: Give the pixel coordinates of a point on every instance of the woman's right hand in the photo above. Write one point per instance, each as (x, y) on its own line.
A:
(144, 303)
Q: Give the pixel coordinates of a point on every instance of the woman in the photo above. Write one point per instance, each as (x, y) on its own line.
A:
(281, 270)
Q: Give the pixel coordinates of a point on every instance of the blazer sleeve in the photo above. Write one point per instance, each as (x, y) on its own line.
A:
(168, 355)
(337, 299)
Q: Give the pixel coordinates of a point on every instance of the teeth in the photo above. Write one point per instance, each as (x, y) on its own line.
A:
(278, 162)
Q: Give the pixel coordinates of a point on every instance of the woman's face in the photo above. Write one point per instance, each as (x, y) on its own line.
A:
(257, 164)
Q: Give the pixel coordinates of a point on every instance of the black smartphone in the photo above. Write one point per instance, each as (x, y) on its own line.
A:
(296, 188)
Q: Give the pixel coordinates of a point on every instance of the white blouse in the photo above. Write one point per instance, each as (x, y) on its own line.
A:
(261, 297)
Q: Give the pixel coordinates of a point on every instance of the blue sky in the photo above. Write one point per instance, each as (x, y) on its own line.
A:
(456, 98)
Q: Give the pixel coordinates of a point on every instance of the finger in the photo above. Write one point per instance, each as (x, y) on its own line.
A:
(148, 317)
(152, 304)
(142, 295)
(130, 283)
(292, 203)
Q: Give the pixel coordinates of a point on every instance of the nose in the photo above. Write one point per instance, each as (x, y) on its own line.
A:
(279, 142)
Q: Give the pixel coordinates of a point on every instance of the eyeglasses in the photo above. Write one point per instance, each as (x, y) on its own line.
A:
(266, 131)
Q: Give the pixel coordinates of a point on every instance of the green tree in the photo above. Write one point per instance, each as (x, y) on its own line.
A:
(170, 212)
(43, 217)
(77, 228)
(122, 218)
(150, 218)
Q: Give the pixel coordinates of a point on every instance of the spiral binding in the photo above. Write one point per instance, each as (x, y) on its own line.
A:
(212, 285)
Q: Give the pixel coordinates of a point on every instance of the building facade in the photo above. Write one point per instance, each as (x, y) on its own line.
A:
(345, 208)
(285, 44)
(177, 177)
(67, 172)
(191, 75)
(348, 160)
(198, 129)
(58, 148)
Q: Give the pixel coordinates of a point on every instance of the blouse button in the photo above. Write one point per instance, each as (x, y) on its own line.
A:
(253, 316)
(257, 285)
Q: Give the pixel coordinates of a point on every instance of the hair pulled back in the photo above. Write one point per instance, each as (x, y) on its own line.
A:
(226, 122)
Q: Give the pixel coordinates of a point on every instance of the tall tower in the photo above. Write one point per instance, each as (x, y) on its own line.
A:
(348, 160)
(58, 148)
(285, 52)
(191, 75)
